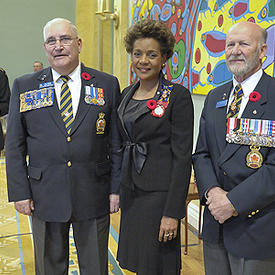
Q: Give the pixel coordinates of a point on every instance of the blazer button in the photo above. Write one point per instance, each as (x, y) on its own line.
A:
(253, 213)
(249, 216)
(69, 164)
(69, 139)
(257, 211)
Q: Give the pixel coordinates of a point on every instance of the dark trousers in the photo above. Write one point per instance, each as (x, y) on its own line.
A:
(218, 261)
(51, 246)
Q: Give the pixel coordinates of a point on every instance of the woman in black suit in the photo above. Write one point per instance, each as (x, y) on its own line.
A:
(156, 123)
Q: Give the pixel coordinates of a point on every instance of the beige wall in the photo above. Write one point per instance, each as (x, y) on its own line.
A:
(103, 47)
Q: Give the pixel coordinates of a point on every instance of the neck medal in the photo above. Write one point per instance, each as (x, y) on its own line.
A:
(163, 101)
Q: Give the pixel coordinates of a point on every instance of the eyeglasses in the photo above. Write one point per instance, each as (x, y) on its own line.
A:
(64, 40)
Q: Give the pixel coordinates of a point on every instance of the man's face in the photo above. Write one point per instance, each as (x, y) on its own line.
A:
(37, 66)
(243, 52)
(62, 47)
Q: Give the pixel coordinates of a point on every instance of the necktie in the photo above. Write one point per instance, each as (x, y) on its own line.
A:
(236, 103)
(66, 107)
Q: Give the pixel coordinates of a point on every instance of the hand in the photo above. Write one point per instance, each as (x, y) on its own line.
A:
(168, 229)
(219, 205)
(24, 207)
(114, 203)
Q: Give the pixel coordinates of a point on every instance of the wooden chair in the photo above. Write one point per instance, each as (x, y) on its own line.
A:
(192, 195)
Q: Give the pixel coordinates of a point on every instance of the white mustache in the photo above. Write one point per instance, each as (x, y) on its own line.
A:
(234, 57)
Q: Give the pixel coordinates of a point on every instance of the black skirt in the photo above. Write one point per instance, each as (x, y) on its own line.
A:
(139, 249)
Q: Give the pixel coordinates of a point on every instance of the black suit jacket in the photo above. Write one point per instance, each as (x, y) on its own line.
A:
(4, 101)
(251, 191)
(61, 191)
(164, 145)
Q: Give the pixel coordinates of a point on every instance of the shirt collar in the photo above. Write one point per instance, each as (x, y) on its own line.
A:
(74, 76)
(249, 84)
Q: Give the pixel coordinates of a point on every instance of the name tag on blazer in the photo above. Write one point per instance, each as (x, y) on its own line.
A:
(36, 99)
(221, 103)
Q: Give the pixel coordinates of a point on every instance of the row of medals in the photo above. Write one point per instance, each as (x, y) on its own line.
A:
(92, 100)
(250, 139)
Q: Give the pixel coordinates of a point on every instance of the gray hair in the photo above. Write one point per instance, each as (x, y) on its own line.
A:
(58, 20)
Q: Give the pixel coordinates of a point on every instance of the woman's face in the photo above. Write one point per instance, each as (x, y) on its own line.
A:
(147, 59)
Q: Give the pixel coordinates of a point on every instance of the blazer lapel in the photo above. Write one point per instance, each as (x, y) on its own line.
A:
(122, 106)
(46, 76)
(83, 108)
(220, 118)
(252, 110)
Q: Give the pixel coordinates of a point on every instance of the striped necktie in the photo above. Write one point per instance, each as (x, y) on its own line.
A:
(66, 107)
(236, 103)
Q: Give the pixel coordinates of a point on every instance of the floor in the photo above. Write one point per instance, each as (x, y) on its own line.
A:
(16, 249)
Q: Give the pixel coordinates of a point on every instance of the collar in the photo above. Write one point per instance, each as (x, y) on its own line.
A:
(249, 84)
(74, 76)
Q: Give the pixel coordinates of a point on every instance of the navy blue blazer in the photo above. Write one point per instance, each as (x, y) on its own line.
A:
(4, 101)
(251, 191)
(67, 177)
(157, 157)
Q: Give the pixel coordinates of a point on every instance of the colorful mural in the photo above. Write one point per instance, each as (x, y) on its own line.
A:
(200, 27)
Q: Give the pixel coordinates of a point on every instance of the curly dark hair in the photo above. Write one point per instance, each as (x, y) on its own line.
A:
(148, 28)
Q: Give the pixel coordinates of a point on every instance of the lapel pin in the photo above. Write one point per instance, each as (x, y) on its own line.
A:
(254, 112)
(224, 96)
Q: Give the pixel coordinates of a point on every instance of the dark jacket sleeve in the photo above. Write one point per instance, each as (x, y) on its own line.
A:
(182, 121)
(116, 154)
(4, 93)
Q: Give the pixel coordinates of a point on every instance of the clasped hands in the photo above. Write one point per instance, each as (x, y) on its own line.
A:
(219, 205)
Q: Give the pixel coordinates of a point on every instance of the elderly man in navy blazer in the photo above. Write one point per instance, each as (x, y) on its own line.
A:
(234, 161)
(62, 154)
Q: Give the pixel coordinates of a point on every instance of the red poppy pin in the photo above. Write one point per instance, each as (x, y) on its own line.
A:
(254, 96)
(151, 104)
(85, 76)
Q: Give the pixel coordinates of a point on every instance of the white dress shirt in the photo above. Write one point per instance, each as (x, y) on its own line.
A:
(248, 86)
(74, 85)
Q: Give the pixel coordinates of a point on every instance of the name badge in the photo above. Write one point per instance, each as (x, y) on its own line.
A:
(46, 85)
(221, 103)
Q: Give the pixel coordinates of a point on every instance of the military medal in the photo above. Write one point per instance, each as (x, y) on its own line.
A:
(94, 96)
(158, 111)
(100, 124)
(158, 107)
(94, 101)
(254, 158)
(101, 101)
(88, 99)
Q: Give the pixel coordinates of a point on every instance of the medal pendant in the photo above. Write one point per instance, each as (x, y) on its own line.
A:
(158, 111)
(101, 101)
(88, 99)
(254, 158)
(94, 100)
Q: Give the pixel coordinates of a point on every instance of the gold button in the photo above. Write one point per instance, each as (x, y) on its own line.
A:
(249, 216)
(253, 213)
(69, 139)
(257, 211)
(225, 173)
(69, 164)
